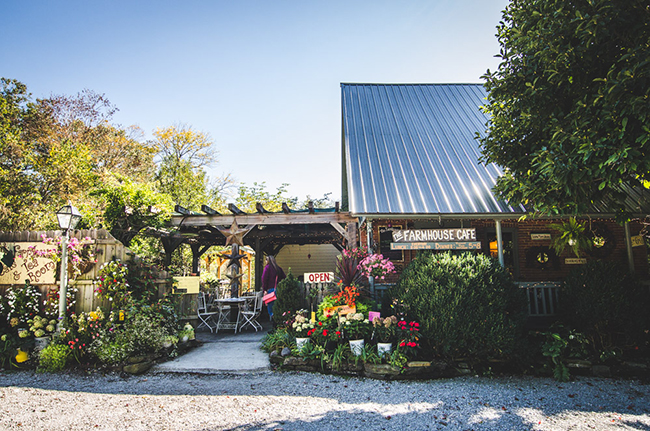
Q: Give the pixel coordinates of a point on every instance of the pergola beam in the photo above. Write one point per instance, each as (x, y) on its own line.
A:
(261, 219)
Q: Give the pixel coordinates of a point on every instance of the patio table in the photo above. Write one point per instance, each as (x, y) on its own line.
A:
(223, 321)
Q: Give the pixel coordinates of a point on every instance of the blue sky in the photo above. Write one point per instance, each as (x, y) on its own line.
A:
(261, 77)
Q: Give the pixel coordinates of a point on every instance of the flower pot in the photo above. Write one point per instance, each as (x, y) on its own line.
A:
(384, 349)
(22, 356)
(356, 346)
(300, 342)
(40, 343)
(331, 345)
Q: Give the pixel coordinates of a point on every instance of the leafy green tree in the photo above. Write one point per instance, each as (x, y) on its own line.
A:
(569, 103)
(248, 197)
(187, 186)
(131, 207)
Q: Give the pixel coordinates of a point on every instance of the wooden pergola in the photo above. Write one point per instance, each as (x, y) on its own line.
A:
(264, 231)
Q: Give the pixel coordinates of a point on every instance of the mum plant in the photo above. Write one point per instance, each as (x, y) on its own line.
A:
(301, 325)
(384, 330)
(355, 326)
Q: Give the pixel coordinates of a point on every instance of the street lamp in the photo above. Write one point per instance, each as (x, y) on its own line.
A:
(68, 217)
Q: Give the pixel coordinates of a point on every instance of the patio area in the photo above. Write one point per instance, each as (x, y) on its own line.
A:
(224, 352)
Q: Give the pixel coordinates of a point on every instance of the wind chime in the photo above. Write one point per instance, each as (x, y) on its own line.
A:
(235, 238)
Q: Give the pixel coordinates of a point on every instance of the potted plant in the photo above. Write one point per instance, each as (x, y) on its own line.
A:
(300, 327)
(384, 332)
(356, 328)
(325, 335)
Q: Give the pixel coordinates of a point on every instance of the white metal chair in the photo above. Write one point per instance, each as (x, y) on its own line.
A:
(251, 312)
(205, 315)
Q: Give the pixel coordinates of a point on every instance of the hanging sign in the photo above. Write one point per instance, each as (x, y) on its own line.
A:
(434, 235)
(435, 239)
(637, 241)
(28, 265)
(575, 261)
(319, 277)
(466, 245)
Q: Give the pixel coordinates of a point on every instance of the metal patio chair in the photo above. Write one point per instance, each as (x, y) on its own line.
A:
(251, 312)
(205, 315)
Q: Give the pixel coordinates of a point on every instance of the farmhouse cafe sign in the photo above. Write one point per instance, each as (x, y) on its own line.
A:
(435, 239)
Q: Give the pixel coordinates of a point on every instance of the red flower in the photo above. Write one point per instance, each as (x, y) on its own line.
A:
(325, 332)
(417, 325)
(402, 344)
(320, 323)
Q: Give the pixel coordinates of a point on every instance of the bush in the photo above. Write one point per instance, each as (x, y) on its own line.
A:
(467, 305)
(53, 358)
(288, 296)
(602, 301)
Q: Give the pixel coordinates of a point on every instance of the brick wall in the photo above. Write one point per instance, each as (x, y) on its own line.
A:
(529, 269)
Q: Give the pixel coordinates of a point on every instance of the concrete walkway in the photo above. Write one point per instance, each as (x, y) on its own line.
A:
(224, 352)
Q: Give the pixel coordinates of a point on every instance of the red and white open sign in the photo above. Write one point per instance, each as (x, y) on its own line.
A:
(319, 277)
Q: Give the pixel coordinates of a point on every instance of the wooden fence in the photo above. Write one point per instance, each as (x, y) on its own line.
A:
(105, 249)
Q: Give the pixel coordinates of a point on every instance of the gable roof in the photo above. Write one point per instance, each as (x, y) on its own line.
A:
(411, 149)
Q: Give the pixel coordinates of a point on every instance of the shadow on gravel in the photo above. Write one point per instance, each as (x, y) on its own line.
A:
(513, 403)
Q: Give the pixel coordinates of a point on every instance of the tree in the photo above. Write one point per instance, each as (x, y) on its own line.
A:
(570, 103)
(57, 149)
(248, 197)
(182, 142)
(131, 206)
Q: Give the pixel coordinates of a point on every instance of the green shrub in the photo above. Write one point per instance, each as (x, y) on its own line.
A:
(53, 358)
(289, 297)
(277, 340)
(467, 305)
(112, 352)
(602, 301)
(143, 334)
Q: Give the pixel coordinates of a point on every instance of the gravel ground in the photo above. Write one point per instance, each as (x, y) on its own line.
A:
(304, 401)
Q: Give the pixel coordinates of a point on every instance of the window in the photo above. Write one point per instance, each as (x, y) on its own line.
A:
(385, 238)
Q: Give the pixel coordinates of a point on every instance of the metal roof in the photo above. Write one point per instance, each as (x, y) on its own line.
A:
(411, 149)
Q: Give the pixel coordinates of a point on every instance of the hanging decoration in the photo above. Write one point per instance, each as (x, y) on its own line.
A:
(235, 235)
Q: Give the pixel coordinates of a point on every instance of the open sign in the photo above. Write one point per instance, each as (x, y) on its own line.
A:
(319, 277)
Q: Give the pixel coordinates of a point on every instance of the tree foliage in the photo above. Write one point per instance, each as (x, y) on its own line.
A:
(132, 206)
(58, 149)
(570, 103)
(249, 196)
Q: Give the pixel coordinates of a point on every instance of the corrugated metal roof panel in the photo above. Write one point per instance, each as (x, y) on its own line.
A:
(410, 149)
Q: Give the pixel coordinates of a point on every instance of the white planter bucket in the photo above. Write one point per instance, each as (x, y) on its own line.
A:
(300, 342)
(384, 349)
(356, 346)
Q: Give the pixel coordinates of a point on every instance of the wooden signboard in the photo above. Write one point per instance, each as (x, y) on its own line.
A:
(637, 241)
(575, 261)
(341, 310)
(29, 266)
(434, 235)
(318, 277)
(467, 245)
(188, 284)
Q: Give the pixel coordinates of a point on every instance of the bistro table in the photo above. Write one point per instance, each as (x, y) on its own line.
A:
(224, 320)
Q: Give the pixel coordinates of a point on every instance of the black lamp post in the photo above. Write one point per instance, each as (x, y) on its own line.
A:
(68, 217)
